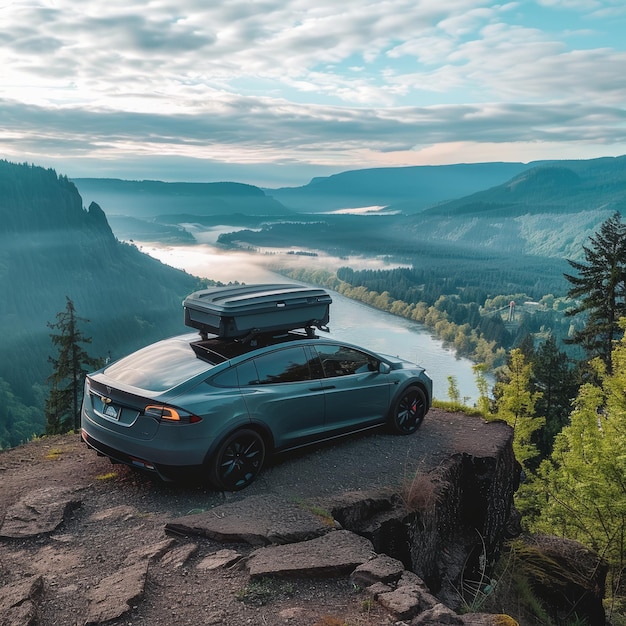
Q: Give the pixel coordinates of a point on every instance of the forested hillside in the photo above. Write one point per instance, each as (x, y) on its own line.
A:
(548, 210)
(52, 248)
(148, 198)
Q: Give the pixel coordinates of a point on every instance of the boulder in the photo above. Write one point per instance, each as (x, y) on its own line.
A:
(257, 520)
(19, 602)
(39, 512)
(336, 553)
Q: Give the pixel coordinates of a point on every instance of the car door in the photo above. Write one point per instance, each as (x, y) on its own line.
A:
(356, 393)
(280, 391)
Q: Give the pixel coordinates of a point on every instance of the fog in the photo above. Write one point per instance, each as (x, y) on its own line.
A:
(207, 261)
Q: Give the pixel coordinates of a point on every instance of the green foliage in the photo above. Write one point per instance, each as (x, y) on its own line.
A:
(515, 404)
(262, 591)
(582, 484)
(600, 289)
(453, 390)
(557, 383)
(68, 374)
(482, 385)
(18, 422)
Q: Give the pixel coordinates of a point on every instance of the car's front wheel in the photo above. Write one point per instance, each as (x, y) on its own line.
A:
(238, 460)
(408, 411)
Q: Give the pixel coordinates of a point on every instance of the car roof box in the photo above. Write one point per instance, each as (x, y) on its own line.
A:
(239, 310)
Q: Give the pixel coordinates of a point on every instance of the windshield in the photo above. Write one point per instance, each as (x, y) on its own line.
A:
(159, 366)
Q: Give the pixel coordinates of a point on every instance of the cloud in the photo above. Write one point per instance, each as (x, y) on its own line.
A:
(275, 81)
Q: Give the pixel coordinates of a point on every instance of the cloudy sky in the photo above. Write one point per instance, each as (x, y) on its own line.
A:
(273, 92)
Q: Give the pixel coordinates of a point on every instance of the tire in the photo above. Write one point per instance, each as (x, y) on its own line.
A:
(408, 411)
(238, 460)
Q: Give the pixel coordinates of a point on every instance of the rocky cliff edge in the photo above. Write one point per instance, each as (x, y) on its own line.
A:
(374, 529)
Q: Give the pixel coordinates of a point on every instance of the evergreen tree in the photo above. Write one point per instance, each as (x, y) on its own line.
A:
(554, 379)
(600, 289)
(515, 404)
(69, 370)
(18, 423)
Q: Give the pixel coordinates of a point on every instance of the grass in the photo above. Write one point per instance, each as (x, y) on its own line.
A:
(318, 511)
(457, 407)
(107, 476)
(54, 454)
(419, 493)
(261, 591)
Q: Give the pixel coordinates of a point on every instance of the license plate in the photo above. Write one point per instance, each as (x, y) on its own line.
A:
(111, 411)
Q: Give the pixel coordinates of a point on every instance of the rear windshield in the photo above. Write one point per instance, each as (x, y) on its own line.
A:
(159, 366)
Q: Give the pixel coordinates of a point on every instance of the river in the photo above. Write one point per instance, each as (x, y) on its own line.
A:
(349, 320)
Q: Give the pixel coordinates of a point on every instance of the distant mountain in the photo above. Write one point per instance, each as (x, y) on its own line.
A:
(147, 198)
(50, 248)
(409, 189)
(548, 210)
(551, 187)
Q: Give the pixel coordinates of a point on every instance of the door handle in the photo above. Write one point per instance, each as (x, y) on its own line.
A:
(329, 387)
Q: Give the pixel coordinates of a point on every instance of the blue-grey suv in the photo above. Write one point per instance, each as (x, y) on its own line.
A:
(219, 406)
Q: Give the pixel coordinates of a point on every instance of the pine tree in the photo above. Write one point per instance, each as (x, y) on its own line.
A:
(515, 404)
(552, 375)
(600, 289)
(69, 370)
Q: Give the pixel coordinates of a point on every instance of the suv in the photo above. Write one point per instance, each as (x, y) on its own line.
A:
(218, 406)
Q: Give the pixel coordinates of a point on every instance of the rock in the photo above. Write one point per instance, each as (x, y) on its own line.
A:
(404, 602)
(19, 602)
(221, 558)
(377, 588)
(380, 569)
(179, 555)
(567, 577)
(355, 509)
(150, 551)
(39, 512)
(335, 554)
(410, 597)
(116, 594)
(438, 614)
(257, 520)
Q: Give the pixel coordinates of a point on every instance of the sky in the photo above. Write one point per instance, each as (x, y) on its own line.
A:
(275, 92)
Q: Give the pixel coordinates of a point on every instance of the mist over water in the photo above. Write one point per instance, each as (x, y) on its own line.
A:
(350, 321)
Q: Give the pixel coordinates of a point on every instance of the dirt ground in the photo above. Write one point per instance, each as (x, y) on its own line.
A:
(122, 510)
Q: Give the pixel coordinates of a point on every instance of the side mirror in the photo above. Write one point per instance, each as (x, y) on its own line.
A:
(384, 368)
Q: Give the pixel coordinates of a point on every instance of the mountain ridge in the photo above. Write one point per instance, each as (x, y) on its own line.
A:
(51, 248)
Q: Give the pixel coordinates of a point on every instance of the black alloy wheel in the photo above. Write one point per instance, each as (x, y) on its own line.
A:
(238, 460)
(408, 411)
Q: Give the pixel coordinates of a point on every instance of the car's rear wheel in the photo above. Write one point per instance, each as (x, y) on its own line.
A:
(408, 411)
(238, 460)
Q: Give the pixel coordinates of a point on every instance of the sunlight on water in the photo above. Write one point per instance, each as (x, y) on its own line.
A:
(349, 320)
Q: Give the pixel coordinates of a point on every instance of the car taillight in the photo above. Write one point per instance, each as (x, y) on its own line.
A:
(166, 413)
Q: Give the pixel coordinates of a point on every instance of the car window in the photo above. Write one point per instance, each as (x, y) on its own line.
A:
(343, 361)
(158, 367)
(283, 366)
(226, 379)
(247, 374)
